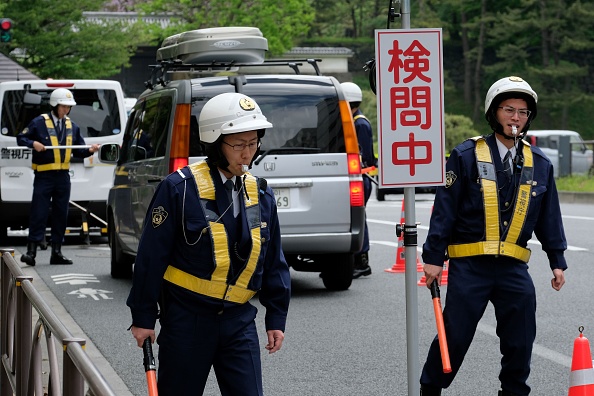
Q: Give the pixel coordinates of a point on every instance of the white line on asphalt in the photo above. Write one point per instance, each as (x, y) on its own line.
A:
(578, 217)
(537, 349)
(420, 227)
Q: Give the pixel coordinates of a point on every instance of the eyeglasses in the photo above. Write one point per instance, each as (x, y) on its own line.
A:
(241, 147)
(510, 111)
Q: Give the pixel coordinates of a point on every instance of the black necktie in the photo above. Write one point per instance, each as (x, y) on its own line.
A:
(506, 164)
(59, 127)
(229, 188)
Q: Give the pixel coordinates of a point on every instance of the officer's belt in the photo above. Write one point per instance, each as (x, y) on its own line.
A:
(488, 178)
(210, 288)
(495, 248)
(57, 164)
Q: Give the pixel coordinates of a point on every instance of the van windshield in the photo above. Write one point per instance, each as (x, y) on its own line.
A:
(305, 114)
(96, 112)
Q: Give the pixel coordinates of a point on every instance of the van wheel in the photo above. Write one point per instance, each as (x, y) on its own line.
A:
(380, 195)
(338, 271)
(121, 263)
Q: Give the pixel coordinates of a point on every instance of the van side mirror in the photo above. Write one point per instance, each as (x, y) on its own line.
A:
(31, 98)
(109, 153)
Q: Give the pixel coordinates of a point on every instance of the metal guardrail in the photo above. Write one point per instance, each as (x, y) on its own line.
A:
(21, 349)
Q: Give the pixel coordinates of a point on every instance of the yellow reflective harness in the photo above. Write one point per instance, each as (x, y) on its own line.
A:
(217, 286)
(57, 164)
(492, 245)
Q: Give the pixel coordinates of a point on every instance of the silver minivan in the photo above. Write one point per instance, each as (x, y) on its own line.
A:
(310, 158)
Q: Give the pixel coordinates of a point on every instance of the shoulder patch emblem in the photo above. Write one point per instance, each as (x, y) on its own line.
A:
(450, 179)
(158, 216)
(25, 131)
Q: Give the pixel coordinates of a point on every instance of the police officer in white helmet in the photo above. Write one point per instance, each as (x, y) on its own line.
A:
(354, 96)
(51, 187)
(499, 192)
(211, 241)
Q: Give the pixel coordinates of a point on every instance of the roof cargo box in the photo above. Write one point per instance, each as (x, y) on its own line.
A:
(220, 45)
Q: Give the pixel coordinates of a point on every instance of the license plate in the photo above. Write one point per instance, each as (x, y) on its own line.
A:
(282, 196)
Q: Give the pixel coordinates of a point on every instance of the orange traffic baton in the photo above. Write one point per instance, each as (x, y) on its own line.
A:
(441, 334)
(149, 367)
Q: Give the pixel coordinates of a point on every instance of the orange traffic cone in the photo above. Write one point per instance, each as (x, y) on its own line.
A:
(581, 378)
(444, 277)
(399, 265)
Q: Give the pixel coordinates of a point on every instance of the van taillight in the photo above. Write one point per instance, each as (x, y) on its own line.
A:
(356, 185)
(177, 163)
(357, 193)
(348, 128)
(354, 164)
(180, 138)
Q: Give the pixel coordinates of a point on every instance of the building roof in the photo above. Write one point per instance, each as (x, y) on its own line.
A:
(12, 71)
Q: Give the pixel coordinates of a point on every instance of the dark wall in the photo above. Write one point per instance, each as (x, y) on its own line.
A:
(132, 78)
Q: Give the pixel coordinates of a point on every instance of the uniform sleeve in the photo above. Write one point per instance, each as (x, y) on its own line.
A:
(276, 281)
(28, 135)
(154, 252)
(78, 140)
(549, 229)
(365, 138)
(445, 210)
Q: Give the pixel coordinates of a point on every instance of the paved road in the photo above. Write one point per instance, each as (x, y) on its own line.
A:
(352, 342)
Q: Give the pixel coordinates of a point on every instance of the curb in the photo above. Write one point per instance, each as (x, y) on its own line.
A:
(116, 383)
(576, 197)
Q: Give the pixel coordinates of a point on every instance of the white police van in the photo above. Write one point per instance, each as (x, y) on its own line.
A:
(101, 115)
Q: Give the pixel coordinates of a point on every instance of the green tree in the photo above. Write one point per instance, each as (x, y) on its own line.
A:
(458, 128)
(54, 40)
(282, 23)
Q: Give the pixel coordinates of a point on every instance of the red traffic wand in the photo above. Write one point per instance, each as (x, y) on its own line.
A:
(441, 334)
(149, 367)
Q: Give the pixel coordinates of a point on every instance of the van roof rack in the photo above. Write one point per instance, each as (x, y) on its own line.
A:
(160, 73)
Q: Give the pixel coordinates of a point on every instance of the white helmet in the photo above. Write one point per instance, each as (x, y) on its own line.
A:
(509, 84)
(352, 92)
(62, 96)
(229, 113)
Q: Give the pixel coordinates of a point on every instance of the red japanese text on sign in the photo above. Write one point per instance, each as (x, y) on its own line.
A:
(415, 62)
(410, 107)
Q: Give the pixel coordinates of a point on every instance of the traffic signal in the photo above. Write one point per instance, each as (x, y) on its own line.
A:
(5, 26)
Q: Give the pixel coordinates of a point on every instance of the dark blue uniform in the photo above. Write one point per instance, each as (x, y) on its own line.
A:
(197, 331)
(365, 140)
(50, 185)
(459, 218)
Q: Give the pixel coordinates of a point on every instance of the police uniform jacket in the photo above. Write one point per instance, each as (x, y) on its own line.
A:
(37, 131)
(365, 139)
(176, 235)
(459, 212)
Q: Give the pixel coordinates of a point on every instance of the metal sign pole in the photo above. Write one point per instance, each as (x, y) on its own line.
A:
(409, 88)
(410, 274)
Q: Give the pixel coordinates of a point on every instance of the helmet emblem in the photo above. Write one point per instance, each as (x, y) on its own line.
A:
(246, 104)
(515, 79)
